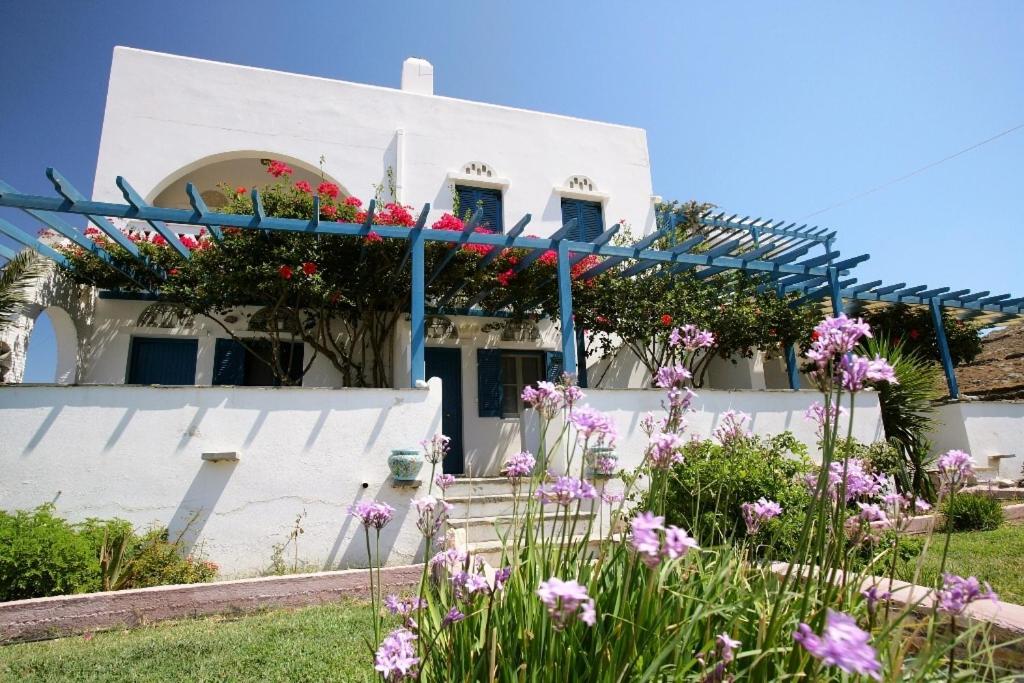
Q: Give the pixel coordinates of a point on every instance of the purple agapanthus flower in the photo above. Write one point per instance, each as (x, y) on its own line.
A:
(466, 584)
(396, 658)
(519, 465)
(605, 465)
(681, 398)
(372, 514)
(403, 606)
(435, 448)
(453, 616)
(665, 450)
(859, 482)
(545, 398)
(816, 413)
(872, 595)
(758, 512)
(451, 559)
(957, 592)
(691, 338)
(565, 490)
(871, 513)
(593, 425)
(443, 481)
(672, 376)
(833, 337)
(956, 468)
(654, 542)
(732, 427)
(842, 644)
(856, 372)
(433, 513)
(565, 601)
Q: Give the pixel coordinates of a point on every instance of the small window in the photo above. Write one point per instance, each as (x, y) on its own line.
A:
(518, 371)
(489, 199)
(234, 365)
(158, 360)
(589, 218)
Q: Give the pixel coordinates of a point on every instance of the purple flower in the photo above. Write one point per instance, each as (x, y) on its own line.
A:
(443, 481)
(649, 424)
(672, 376)
(816, 413)
(870, 512)
(725, 646)
(836, 336)
(653, 542)
(691, 338)
(396, 658)
(501, 577)
(433, 513)
(571, 394)
(605, 465)
(545, 398)
(453, 616)
(665, 450)
(756, 513)
(681, 398)
(435, 448)
(842, 644)
(873, 596)
(956, 467)
(451, 559)
(566, 600)
(593, 424)
(403, 606)
(957, 592)
(565, 490)
(859, 481)
(519, 465)
(467, 584)
(372, 514)
(732, 427)
(611, 498)
(856, 371)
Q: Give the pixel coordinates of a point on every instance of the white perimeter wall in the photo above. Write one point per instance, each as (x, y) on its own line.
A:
(135, 453)
(983, 429)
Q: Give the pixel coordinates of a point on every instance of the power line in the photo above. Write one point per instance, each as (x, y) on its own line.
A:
(912, 173)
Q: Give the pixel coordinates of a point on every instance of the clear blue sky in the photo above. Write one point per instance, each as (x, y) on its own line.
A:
(770, 109)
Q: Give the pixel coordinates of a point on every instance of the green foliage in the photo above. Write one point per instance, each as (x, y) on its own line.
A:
(913, 327)
(706, 491)
(16, 279)
(42, 554)
(908, 412)
(972, 512)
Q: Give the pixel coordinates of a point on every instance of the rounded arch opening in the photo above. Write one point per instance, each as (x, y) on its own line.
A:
(51, 353)
(245, 168)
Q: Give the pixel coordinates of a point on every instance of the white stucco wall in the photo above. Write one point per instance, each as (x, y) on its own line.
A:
(983, 429)
(135, 453)
(165, 113)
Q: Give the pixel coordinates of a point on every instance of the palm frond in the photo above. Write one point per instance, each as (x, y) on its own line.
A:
(16, 280)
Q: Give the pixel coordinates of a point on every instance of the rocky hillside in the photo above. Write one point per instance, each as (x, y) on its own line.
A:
(998, 373)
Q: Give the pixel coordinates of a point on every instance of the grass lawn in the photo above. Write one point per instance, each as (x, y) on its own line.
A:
(323, 643)
(993, 556)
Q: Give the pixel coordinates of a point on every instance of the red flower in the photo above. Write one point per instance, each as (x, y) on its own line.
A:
(285, 272)
(666, 320)
(329, 211)
(309, 268)
(279, 168)
(602, 320)
(815, 336)
(189, 242)
(505, 278)
(548, 258)
(353, 201)
(373, 237)
(914, 334)
(448, 222)
(240, 190)
(173, 272)
(327, 190)
(303, 186)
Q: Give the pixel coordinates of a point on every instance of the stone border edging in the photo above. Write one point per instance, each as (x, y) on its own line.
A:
(918, 526)
(64, 615)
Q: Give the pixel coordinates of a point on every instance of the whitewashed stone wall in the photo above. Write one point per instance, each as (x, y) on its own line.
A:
(136, 453)
(984, 429)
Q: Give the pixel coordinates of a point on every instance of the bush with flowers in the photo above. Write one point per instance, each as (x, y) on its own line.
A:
(913, 327)
(653, 601)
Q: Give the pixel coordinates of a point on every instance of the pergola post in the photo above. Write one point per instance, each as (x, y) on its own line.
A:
(565, 309)
(581, 354)
(834, 292)
(792, 369)
(417, 370)
(944, 354)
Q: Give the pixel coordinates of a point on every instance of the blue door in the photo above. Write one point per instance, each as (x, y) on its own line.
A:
(157, 360)
(446, 364)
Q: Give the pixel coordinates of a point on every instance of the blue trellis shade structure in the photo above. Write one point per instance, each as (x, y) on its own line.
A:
(789, 258)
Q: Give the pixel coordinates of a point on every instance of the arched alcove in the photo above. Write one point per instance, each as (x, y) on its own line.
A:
(247, 168)
(51, 354)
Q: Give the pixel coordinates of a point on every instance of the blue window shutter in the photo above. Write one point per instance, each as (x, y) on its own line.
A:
(229, 363)
(155, 360)
(589, 218)
(487, 198)
(488, 378)
(553, 366)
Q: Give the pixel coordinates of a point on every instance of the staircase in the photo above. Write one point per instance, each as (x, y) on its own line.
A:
(482, 513)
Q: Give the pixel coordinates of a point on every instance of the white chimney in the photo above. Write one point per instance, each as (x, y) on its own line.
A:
(418, 76)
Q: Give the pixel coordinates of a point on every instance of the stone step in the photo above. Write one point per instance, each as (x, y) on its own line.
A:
(490, 551)
(465, 487)
(500, 504)
(479, 529)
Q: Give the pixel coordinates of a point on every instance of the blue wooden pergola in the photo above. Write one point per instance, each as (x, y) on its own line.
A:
(793, 259)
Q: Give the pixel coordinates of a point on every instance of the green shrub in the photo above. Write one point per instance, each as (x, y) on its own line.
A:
(706, 491)
(972, 512)
(42, 554)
